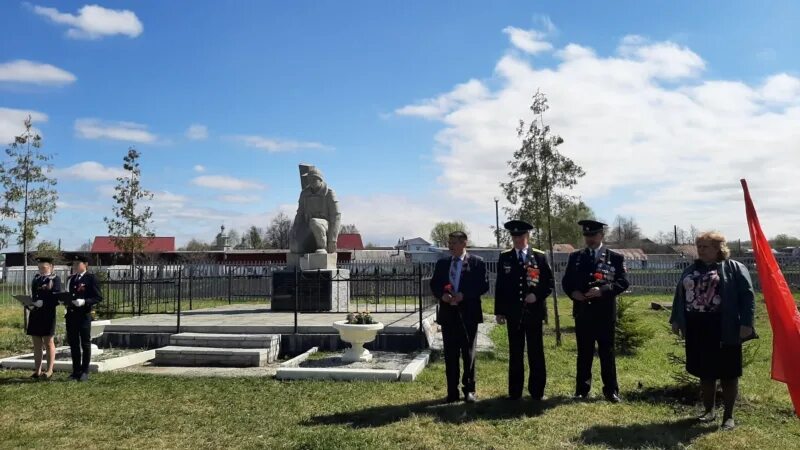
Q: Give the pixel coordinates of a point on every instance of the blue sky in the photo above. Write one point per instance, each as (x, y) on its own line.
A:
(271, 84)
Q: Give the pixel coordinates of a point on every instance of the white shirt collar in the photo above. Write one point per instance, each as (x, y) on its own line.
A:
(460, 258)
(597, 250)
(81, 274)
(524, 251)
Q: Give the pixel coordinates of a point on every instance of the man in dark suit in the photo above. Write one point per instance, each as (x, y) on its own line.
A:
(593, 279)
(524, 281)
(85, 291)
(458, 282)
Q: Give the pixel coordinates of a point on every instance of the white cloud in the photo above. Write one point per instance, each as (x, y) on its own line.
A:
(529, 41)
(32, 72)
(89, 171)
(435, 108)
(166, 199)
(12, 123)
(781, 88)
(665, 60)
(239, 199)
(197, 132)
(120, 131)
(273, 145)
(223, 182)
(199, 169)
(94, 22)
(658, 139)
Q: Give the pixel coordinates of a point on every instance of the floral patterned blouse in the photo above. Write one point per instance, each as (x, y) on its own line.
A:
(702, 288)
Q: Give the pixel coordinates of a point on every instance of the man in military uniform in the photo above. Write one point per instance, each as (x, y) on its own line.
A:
(458, 282)
(524, 281)
(85, 291)
(593, 279)
(316, 224)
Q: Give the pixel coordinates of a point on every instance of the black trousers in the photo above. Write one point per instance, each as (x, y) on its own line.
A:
(590, 330)
(459, 345)
(79, 327)
(530, 331)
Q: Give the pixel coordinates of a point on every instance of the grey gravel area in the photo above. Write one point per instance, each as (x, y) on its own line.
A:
(485, 344)
(149, 369)
(108, 353)
(380, 360)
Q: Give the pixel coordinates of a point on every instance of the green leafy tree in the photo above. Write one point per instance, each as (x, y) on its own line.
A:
(540, 181)
(194, 245)
(130, 227)
(48, 249)
(29, 193)
(539, 185)
(441, 231)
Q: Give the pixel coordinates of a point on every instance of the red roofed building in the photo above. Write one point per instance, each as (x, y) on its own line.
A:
(104, 244)
(348, 241)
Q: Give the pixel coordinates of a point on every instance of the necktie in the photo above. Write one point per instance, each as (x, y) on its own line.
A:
(454, 273)
(594, 255)
(521, 257)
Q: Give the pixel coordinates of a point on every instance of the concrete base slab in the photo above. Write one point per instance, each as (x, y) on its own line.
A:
(24, 362)
(310, 373)
(390, 367)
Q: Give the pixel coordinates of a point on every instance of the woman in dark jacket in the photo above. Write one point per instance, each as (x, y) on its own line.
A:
(713, 309)
(42, 318)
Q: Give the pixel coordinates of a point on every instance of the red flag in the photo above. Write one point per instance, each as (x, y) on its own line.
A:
(783, 314)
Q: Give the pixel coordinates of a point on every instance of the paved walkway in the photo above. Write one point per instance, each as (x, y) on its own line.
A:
(251, 319)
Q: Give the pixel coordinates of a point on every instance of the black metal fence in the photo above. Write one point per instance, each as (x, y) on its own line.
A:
(168, 290)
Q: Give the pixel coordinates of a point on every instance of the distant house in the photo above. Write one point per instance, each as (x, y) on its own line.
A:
(349, 241)
(104, 244)
(416, 244)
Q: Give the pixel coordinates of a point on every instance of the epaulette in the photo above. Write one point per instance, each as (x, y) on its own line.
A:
(538, 251)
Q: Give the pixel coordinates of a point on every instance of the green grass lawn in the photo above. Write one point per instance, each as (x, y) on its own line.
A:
(124, 410)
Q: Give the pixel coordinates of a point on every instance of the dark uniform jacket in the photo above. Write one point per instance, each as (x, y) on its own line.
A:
(85, 287)
(608, 273)
(472, 285)
(515, 281)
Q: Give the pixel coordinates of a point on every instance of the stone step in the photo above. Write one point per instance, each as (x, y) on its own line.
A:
(219, 340)
(174, 355)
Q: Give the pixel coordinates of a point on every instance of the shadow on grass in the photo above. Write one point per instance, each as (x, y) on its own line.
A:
(665, 435)
(26, 379)
(498, 408)
(685, 394)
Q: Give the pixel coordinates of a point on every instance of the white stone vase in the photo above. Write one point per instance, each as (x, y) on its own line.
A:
(357, 335)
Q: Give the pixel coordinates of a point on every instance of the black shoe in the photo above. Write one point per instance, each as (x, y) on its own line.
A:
(84, 377)
(613, 398)
(728, 424)
(452, 398)
(580, 396)
(470, 397)
(74, 376)
(35, 376)
(538, 398)
(514, 397)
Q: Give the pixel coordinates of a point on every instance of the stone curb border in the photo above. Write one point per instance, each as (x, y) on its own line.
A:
(17, 362)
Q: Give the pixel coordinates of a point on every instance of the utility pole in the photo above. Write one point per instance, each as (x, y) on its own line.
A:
(497, 220)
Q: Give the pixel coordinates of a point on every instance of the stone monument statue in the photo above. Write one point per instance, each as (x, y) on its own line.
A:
(316, 225)
(312, 281)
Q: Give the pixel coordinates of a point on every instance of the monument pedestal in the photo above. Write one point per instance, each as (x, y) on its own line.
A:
(315, 290)
(312, 261)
